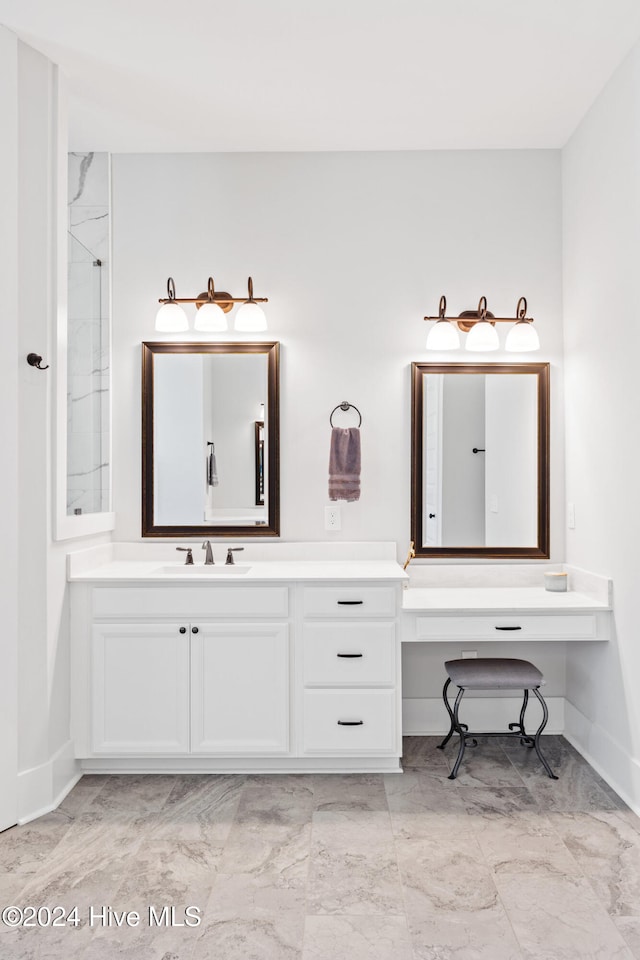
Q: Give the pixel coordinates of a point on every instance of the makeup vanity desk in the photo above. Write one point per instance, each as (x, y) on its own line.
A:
(483, 614)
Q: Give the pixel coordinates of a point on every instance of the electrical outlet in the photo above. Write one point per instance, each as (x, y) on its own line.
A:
(332, 518)
(571, 516)
(469, 655)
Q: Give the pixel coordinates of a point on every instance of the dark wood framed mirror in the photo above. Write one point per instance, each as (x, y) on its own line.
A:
(200, 405)
(480, 460)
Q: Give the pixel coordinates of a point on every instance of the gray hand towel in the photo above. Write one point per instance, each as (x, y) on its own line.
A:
(344, 464)
(212, 468)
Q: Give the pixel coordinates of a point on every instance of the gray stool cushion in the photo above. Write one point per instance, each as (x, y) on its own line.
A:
(494, 673)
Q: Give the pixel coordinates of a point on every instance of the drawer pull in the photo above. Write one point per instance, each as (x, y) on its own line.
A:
(350, 603)
(349, 656)
(508, 628)
(350, 723)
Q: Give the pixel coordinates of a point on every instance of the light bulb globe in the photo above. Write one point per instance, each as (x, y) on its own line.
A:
(522, 338)
(250, 317)
(171, 318)
(443, 336)
(211, 318)
(482, 337)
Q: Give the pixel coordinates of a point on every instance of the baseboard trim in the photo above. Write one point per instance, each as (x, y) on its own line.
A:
(427, 717)
(43, 788)
(241, 765)
(605, 754)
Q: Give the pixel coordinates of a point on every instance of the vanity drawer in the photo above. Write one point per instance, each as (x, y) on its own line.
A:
(358, 722)
(349, 601)
(349, 654)
(190, 602)
(503, 627)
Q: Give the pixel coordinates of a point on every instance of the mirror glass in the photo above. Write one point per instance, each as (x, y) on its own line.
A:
(83, 441)
(210, 439)
(480, 460)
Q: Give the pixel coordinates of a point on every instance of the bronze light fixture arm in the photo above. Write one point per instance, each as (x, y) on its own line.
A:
(469, 317)
(218, 297)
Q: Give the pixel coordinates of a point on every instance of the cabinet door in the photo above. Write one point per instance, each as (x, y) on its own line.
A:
(240, 688)
(140, 688)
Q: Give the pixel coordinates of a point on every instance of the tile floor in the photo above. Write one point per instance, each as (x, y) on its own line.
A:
(501, 864)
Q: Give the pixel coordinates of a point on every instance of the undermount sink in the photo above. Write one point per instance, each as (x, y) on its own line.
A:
(193, 569)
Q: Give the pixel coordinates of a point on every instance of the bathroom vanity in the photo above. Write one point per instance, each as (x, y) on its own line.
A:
(278, 665)
(291, 660)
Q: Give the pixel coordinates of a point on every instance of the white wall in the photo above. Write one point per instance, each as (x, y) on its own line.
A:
(352, 250)
(9, 485)
(601, 209)
(34, 603)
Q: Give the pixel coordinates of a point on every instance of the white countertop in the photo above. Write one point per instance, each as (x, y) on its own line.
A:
(260, 571)
(497, 599)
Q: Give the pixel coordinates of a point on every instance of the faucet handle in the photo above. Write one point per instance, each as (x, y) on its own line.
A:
(189, 553)
(230, 552)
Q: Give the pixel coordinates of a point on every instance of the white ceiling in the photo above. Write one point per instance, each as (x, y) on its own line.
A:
(221, 75)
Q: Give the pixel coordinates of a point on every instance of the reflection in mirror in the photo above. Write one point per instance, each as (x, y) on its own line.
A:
(480, 465)
(259, 461)
(205, 459)
(88, 335)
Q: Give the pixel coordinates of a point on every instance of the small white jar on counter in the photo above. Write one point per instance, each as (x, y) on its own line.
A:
(556, 582)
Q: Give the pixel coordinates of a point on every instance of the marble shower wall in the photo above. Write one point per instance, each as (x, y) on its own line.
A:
(88, 441)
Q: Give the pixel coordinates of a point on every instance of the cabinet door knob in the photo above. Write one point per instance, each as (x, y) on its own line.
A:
(183, 629)
(194, 629)
(431, 516)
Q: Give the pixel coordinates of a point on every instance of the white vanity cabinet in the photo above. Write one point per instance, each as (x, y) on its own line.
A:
(351, 671)
(193, 670)
(139, 688)
(217, 674)
(240, 688)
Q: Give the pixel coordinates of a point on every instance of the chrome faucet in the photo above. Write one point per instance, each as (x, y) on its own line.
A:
(189, 552)
(230, 552)
(208, 557)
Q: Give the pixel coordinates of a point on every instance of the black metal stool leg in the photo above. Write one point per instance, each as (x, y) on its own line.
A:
(461, 733)
(452, 728)
(536, 739)
(519, 726)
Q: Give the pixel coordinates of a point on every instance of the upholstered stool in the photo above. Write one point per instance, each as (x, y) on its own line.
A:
(493, 673)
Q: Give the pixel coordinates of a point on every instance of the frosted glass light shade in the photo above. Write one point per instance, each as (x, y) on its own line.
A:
(250, 317)
(171, 318)
(522, 338)
(443, 336)
(211, 317)
(482, 337)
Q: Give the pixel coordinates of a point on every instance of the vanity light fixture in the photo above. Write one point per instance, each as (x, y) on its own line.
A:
(212, 307)
(171, 318)
(479, 325)
(210, 316)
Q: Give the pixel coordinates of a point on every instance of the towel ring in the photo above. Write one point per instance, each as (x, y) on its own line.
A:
(345, 406)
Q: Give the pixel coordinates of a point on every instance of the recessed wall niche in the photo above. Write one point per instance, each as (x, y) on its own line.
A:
(88, 319)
